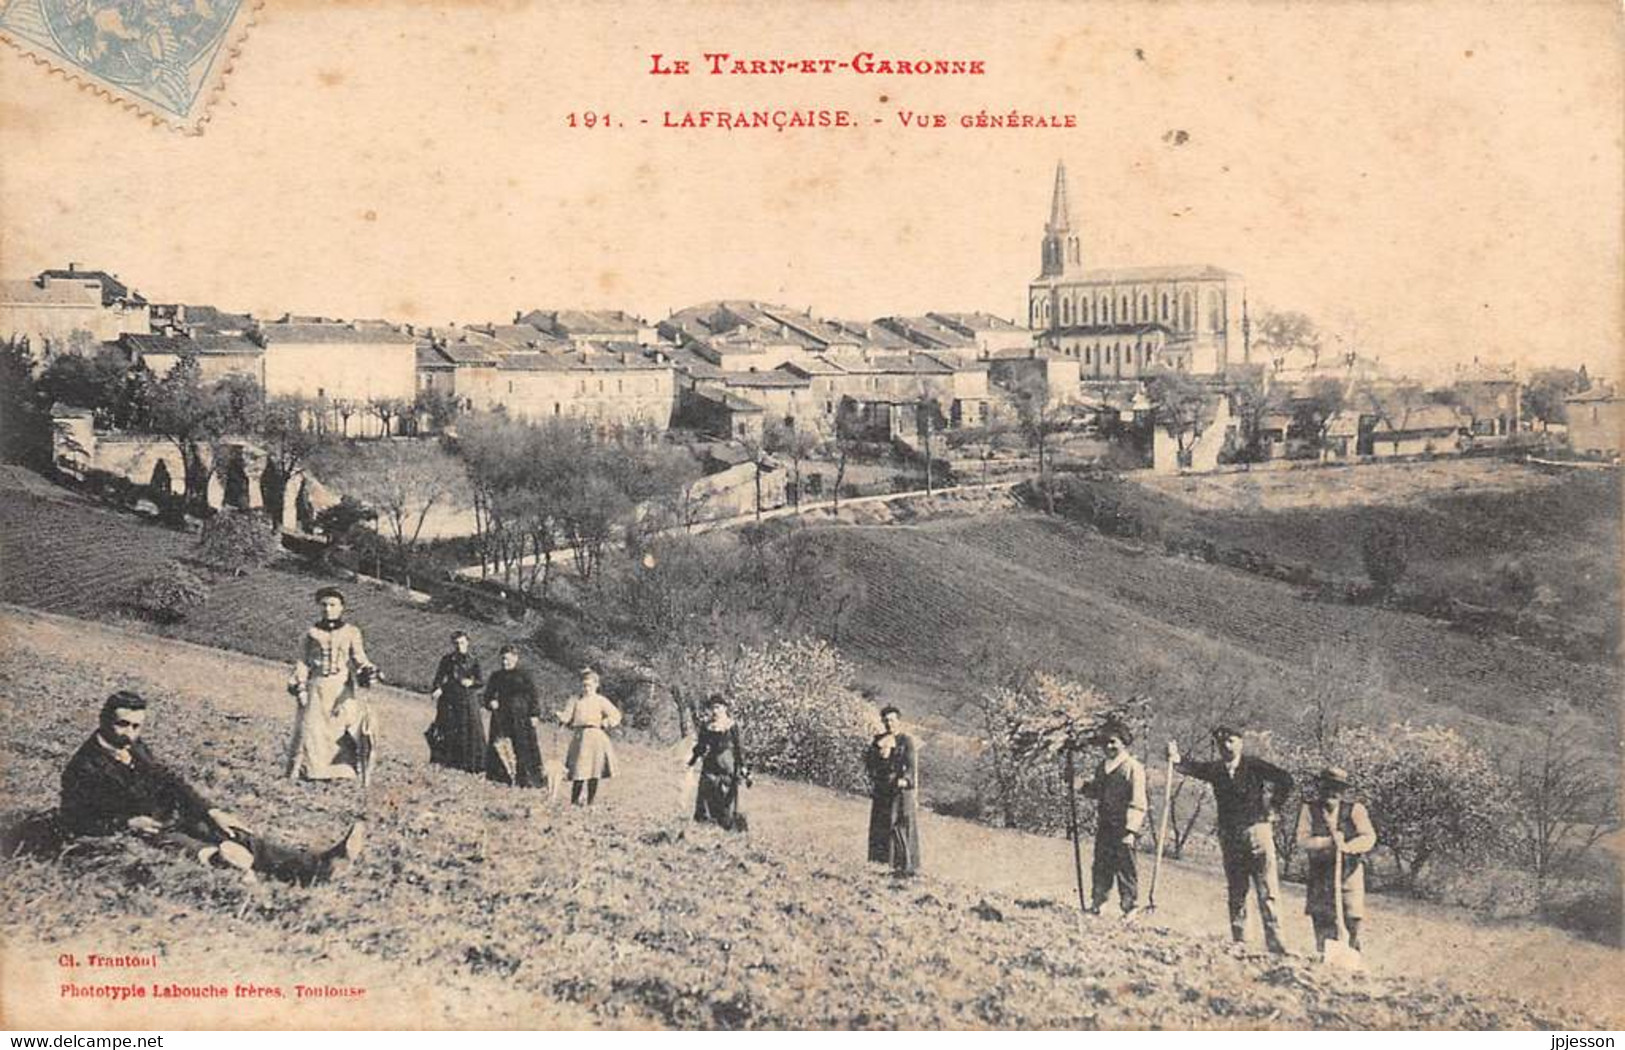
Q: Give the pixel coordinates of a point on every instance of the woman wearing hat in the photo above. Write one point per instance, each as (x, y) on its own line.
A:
(1331, 826)
(332, 732)
(457, 737)
(722, 767)
(514, 755)
(590, 758)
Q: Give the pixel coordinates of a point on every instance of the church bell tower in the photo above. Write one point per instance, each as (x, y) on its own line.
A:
(1063, 255)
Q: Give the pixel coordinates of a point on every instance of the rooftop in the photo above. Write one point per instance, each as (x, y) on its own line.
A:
(353, 333)
(1131, 274)
(113, 289)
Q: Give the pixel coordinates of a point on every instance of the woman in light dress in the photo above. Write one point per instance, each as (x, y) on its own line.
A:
(590, 758)
(332, 730)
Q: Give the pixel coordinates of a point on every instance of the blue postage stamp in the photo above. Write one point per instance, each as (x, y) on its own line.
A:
(167, 58)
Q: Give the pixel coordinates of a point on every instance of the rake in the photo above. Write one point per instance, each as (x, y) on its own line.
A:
(1162, 836)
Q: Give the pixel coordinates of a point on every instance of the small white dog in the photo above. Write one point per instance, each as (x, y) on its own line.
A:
(552, 778)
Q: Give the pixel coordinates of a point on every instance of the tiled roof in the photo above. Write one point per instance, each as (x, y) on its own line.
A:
(157, 343)
(337, 334)
(928, 331)
(975, 322)
(569, 322)
(203, 318)
(531, 361)
(211, 344)
(431, 359)
(113, 289)
(766, 380)
(1422, 417)
(1596, 393)
(56, 293)
(817, 365)
(894, 364)
(873, 334)
(732, 402)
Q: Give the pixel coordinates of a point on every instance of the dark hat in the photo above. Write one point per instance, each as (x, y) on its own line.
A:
(1115, 728)
(1225, 732)
(330, 592)
(1333, 776)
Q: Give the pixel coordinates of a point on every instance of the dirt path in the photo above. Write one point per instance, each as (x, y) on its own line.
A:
(1405, 939)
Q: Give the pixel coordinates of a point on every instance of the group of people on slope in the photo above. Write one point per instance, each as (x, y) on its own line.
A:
(1248, 793)
(113, 783)
(510, 751)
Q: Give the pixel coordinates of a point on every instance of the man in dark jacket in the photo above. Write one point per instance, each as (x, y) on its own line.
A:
(113, 783)
(1249, 793)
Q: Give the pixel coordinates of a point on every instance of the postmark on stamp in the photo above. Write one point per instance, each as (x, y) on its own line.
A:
(165, 58)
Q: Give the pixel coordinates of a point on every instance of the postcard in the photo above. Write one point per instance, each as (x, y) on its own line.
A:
(810, 516)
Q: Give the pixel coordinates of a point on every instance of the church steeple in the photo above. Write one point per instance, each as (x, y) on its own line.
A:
(1062, 251)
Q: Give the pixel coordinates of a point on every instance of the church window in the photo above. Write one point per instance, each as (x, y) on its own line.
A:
(1066, 311)
(1187, 312)
(1215, 312)
(1165, 306)
(1123, 306)
(1145, 307)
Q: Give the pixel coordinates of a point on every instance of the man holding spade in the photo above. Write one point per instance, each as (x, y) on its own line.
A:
(1118, 788)
(1334, 831)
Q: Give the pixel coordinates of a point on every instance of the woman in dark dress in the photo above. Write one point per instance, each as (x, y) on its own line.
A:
(722, 767)
(514, 755)
(457, 737)
(893, 762)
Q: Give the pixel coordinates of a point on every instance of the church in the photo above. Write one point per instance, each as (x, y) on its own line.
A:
(1124, 323)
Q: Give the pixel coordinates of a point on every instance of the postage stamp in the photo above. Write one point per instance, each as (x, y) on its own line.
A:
(165, 58)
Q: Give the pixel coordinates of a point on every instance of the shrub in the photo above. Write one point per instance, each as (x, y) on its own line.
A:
(168, 594)
(1432, 795)
(1382, 550)
(238, 541)
(798, 713)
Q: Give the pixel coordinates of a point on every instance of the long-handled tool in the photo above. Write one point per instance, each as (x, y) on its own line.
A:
(1162, 835)
(1339, 953)
(1072, 811)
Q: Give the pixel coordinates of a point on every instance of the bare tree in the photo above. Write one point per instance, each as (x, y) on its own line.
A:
(1569, 803)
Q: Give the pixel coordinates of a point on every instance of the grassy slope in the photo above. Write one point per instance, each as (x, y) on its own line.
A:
(64, 554)
(481, 906)
(940, 592)
(1462, 518)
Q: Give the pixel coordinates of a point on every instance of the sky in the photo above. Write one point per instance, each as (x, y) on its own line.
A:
(1437, 181)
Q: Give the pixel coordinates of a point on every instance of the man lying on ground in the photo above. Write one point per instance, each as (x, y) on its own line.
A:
(114, 784)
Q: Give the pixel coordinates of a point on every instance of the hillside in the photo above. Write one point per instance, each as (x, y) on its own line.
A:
(65, 554)
(942, 595)
(481, 906)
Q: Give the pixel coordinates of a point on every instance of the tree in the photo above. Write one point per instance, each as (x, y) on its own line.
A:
(1431, 793)
(796, 444)
(1177, 404)
(189, 416)
(289, 431)
(93, 381)
(1568, 802)
(25, 424)
(1041, 414)
(168, 593)
(388, 410)
(1543, 394)
(1285, 336)
(238, 541)
(1253, 404)
(402, 482)
(439, 407)
(1313, 413)
(1383, 551)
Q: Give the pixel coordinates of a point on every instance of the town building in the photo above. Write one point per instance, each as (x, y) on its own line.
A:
(1199, 311)
(1596, 421)
(349, 365)
(69, 311)
(1492, 398)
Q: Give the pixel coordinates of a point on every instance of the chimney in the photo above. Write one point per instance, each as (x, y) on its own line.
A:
(73, 267)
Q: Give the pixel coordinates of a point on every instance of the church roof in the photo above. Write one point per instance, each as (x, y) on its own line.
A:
(1131, 274)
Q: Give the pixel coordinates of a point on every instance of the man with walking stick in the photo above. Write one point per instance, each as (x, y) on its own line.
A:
(1118, 788)
(1248, 792)
(1335, 834)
